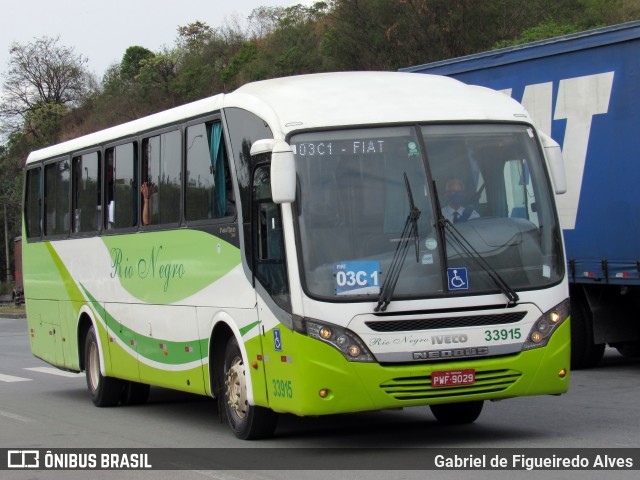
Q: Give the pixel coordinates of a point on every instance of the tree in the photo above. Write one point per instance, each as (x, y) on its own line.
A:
(132, 61)
(41, 74)
(284, 41)
(196, 67)
(11, 175)
(156, 79)
(391, 34)
(193, 37)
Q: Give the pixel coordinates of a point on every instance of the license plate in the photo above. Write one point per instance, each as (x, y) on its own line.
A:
(453, 378)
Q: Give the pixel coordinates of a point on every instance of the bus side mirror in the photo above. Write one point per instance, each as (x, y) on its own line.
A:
(283, 169)
(555, 162)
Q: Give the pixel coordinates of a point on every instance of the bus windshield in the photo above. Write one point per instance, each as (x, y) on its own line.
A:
(491, 188)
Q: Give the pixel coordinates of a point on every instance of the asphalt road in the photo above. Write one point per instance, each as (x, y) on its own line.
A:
(42, 407)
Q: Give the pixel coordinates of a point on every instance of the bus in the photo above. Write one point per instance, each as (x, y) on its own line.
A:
(293, 247)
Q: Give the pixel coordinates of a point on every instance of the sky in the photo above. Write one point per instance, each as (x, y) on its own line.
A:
(102, 30)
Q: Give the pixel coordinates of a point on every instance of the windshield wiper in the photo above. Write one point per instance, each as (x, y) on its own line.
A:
(410, 229)
(446, 226)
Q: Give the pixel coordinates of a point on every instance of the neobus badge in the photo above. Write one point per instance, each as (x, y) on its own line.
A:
(455, 353)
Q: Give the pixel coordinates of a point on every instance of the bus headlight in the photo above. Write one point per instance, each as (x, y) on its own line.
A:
(347, 342)
(544, 327)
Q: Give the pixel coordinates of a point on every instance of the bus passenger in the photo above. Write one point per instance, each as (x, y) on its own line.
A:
(147, 189)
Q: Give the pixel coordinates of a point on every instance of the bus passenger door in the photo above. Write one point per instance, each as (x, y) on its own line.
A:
(272, 285)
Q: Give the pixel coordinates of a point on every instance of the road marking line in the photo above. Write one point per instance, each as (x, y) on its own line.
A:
(15, 416)
(55, 371)
(10, 378)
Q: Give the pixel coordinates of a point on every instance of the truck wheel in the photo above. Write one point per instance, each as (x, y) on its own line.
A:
(104, 391)
(628, 349)
(584, 353)
(247, 421)
(457, 413)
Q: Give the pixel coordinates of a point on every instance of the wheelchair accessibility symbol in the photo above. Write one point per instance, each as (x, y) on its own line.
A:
(277, 340)
(458, 279)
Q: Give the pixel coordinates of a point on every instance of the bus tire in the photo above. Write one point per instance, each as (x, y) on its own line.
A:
(584, 352)
(135, 393)
(104, 391)
(457, 413)
(248, 422)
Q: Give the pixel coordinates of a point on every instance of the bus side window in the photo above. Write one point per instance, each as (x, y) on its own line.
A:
(86, 193)
(520, 196)
(57, 180)
(121, 197)
(33, 204)
(161, 178)
(209, 188)
(109, 209)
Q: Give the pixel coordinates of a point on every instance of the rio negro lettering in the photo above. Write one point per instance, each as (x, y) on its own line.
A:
(148, 267)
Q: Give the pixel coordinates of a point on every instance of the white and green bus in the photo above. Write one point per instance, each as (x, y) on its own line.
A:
(313, 245)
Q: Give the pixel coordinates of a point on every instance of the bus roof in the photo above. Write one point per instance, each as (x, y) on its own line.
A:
(326, 100)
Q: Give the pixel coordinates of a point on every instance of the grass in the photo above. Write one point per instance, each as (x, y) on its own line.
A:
(11, 309)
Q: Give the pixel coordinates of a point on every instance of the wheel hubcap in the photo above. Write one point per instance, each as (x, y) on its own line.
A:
(236, 388)
(93, 367)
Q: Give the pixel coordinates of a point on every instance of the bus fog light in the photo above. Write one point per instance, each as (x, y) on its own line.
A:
(323, 393)
(562, 373)
(543, 326)
(354, 350)
(325, 333)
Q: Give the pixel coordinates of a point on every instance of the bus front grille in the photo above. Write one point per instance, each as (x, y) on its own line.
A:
(420, 388)
(445, 322)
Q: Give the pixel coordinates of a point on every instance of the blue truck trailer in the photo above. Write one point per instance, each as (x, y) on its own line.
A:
(583, 90)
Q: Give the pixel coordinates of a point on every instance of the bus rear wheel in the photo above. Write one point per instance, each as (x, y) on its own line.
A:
(457, 413)
(104, 391)
(248, 422)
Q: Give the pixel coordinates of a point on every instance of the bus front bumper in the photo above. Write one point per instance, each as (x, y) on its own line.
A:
(312, 378)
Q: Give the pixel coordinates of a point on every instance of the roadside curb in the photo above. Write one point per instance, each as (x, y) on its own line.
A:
(12, 316)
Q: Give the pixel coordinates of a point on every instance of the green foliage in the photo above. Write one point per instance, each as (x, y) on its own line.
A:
(43, 121)
(11, 179)
(241, 60)
(157, 74)
(132, 61)
(194, 36)
(542, 31)
(608, 12)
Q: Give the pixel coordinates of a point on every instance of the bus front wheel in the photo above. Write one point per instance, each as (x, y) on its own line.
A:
(104, 391)
(457, 413)
(248, 422)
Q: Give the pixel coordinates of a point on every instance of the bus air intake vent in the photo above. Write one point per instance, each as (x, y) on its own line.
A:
(445, 322)
(419, 388)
